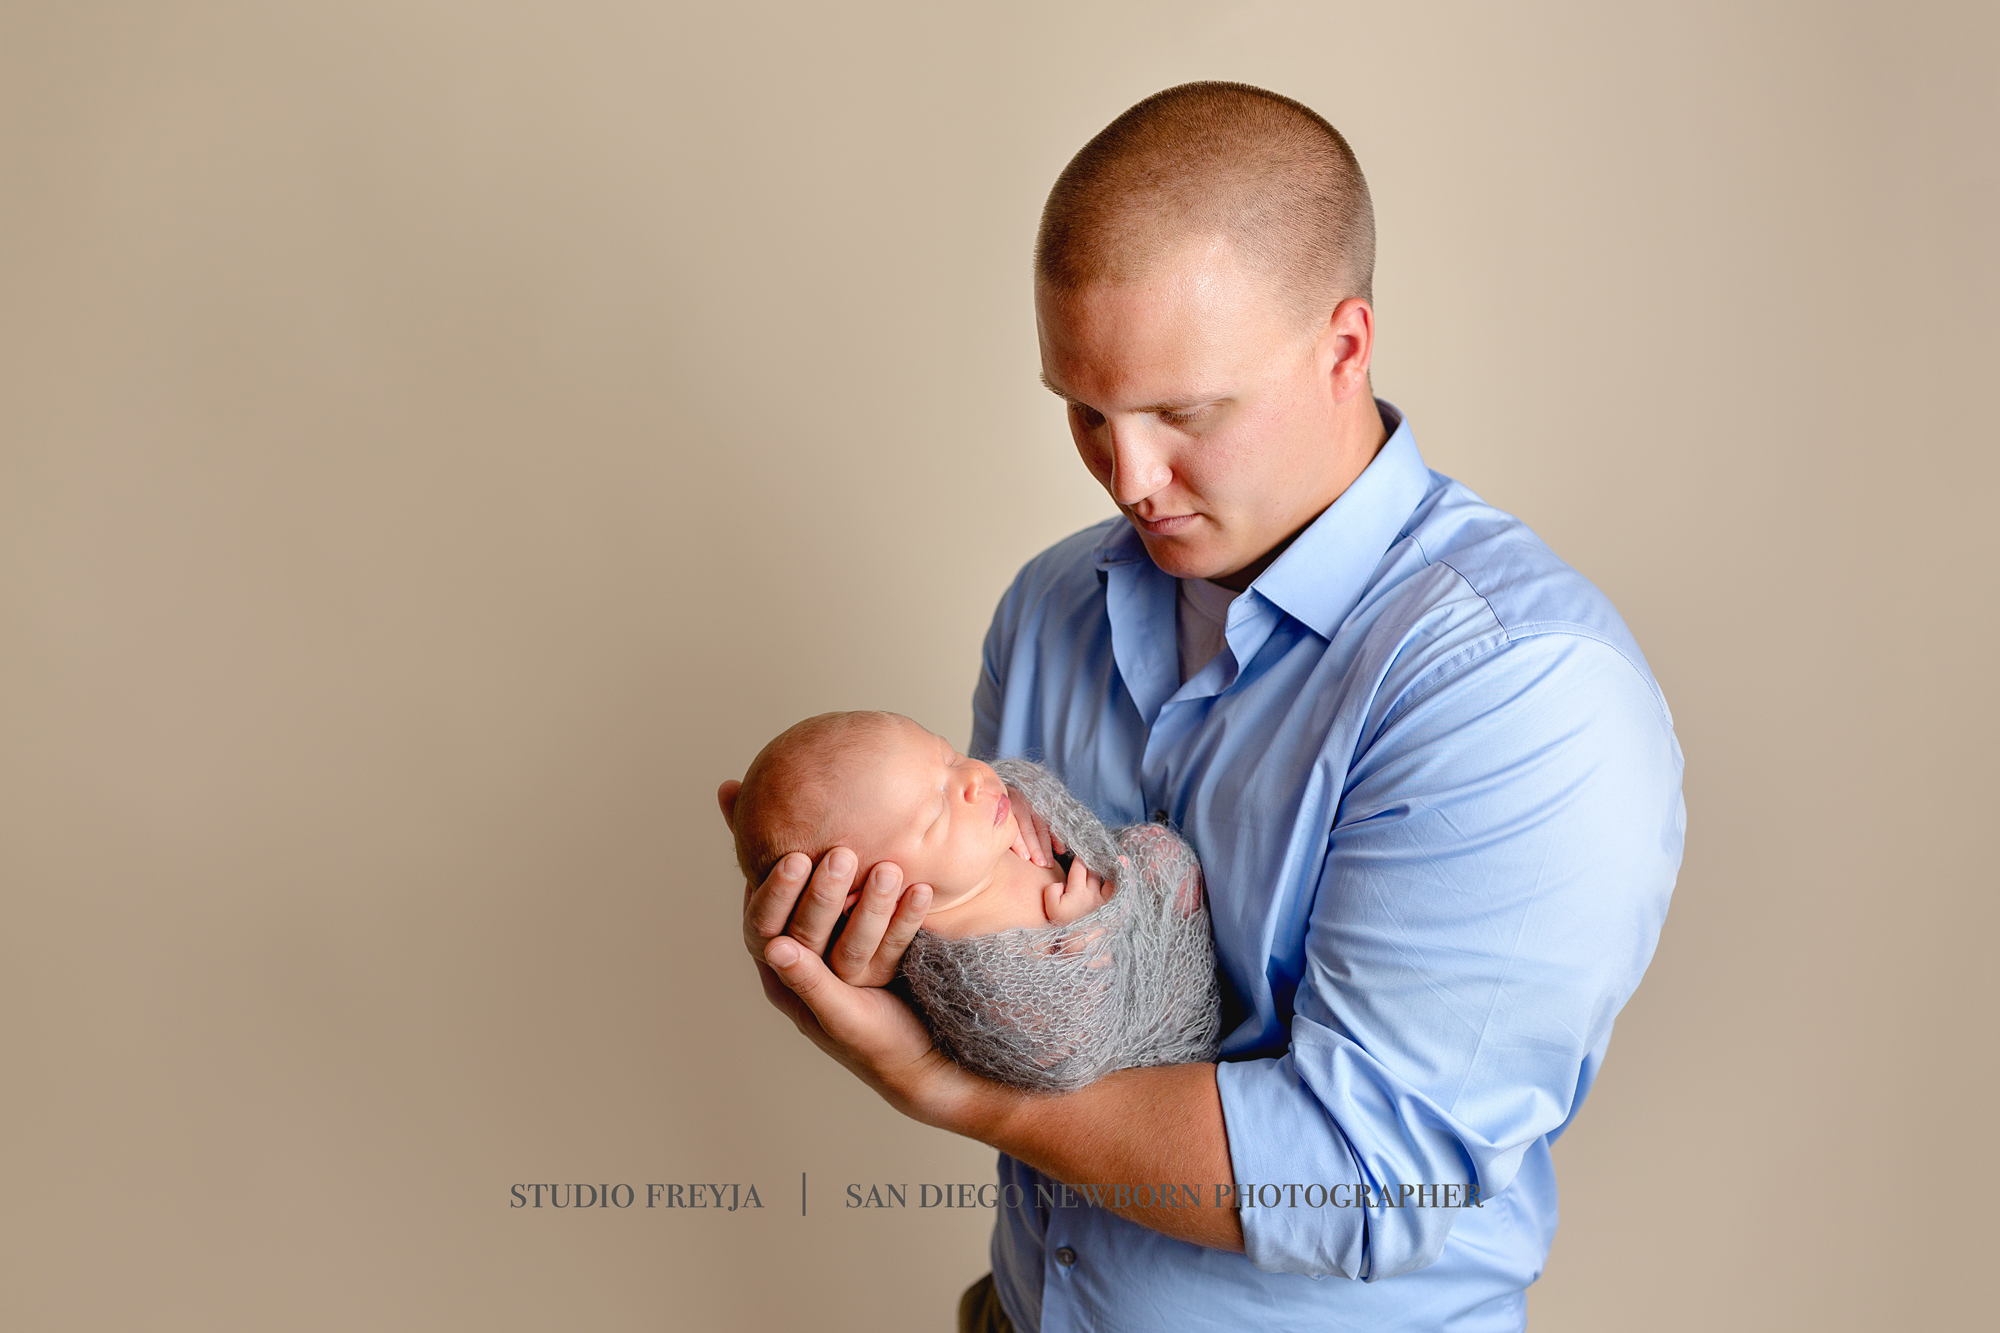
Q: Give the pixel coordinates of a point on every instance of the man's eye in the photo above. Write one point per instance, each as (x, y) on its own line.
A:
(1089, 416)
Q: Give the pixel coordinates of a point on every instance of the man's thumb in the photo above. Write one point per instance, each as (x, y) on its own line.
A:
(796, 965)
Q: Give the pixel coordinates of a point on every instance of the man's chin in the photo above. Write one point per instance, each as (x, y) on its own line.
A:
(1185, 557)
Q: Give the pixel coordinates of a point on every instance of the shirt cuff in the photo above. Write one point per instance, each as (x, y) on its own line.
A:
(1280, 1135)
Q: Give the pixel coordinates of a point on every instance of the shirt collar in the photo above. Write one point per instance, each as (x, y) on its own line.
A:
(1322, 574)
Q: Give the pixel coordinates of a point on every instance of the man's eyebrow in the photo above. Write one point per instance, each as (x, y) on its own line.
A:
(1172, 406)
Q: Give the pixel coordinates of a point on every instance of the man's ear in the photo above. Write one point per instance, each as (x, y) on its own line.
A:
(725, 796)
(1348, 344)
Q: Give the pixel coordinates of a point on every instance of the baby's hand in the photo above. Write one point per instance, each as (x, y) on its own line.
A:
(1083, 893)
(1034, 841)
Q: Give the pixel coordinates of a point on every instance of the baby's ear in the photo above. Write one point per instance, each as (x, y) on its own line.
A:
(725, 796)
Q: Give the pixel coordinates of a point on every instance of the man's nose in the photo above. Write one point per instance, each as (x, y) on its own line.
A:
(1138, 465)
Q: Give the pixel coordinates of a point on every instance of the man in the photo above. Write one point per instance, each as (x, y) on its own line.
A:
(1435, 790)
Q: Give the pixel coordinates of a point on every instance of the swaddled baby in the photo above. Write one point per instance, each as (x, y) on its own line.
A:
(1039, 977)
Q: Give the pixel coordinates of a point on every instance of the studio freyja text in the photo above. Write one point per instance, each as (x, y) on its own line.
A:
(735, 1196)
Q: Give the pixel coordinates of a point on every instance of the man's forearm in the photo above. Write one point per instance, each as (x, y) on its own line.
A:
(1159, 1126)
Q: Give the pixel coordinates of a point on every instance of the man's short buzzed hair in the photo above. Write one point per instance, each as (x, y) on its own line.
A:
(1214, 159)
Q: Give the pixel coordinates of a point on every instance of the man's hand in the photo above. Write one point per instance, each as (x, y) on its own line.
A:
(874, 1034)
(789, 920)
(879, 928)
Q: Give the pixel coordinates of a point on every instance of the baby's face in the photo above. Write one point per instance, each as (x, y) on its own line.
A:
(946, 820)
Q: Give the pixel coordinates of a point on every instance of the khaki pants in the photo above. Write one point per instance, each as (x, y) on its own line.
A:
(979, 1309)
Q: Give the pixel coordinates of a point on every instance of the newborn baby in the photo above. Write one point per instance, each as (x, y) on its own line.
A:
(1040, 977)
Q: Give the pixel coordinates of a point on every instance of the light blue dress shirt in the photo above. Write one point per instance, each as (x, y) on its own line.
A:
(1436, 794)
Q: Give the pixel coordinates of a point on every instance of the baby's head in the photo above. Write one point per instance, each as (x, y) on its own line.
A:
(1019, 977)
(882, 786)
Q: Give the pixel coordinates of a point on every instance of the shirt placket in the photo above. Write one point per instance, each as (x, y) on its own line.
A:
(1165, 777)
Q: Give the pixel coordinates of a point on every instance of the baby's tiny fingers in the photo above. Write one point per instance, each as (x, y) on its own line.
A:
(1032, 829)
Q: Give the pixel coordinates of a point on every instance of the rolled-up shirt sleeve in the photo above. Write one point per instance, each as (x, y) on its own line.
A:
(1495, 878)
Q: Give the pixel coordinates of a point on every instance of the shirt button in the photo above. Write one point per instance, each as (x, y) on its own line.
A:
(1065, 1256)
(1159, 816)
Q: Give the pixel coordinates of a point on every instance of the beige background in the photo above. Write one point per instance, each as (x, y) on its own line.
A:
(439, 441)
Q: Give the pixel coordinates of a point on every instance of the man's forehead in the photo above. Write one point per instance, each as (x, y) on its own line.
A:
(1178, 336)
(1135, 374)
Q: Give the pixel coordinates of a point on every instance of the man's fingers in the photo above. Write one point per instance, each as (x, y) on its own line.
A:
(868, 1030)
(854, 953)
(825, 996)
(902, 929)
(780, 995)
(824, 900)
(768, 906)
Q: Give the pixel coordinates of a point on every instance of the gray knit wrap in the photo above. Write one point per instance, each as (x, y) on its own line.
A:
(1056, 1007)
